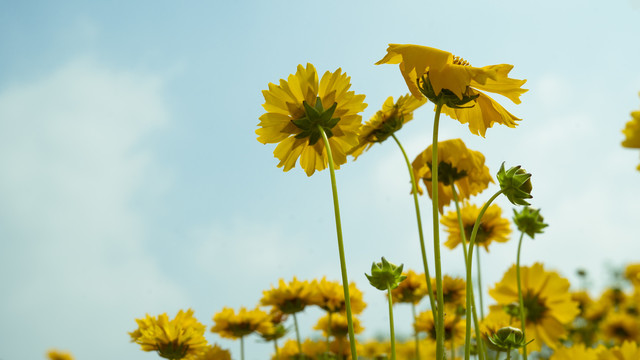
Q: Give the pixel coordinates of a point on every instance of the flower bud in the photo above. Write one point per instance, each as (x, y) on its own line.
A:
(529, 221)
(385, 275)
(508, 338)
(515, 184)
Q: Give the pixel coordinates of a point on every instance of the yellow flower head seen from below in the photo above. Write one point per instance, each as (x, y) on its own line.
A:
(214, 352)
(386, 122)
(493, 227)
(456, 165)
(441, 71)
(411, 290)
(59, 355)
(627, 351)
(230, 325)
(620, 327)
(339, 326)
(290, 297)
(454, 292)
(330, 297)
(577, 351)
(632, 273)
(173, 339)
(547, 301)
(310, 349)
(454, 327)
(296, 110)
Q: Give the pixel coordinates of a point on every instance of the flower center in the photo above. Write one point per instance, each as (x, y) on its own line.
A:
(172, 350)
(457, 60)
(481, 236)
(534, 308)
(316, 119)
(447, 173)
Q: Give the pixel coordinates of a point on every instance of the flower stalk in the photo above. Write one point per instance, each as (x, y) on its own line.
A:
(520, 299)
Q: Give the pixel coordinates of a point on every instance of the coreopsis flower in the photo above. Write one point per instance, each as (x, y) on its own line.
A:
(339, 326)
(576, 351)
(454, 291)
(495, 320)
(291, 297)
(627, 351)
(299, 107)
(457, 165)
(411, 290)
(230, 325)
(632, 132)
(59, 355)
(331, 297)
(310, 350)
(632, 273)
(583, 299)
(441, 76)
(547, 302)
(613, 297)
(214, 352)
(374, 349)
(406, 350)
(386, 121)
(173, 339)
(454, 326)
(620, 327)
(339, 349)
(493, 227)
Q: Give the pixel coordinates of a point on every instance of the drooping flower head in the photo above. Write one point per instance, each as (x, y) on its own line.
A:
(296, 110)
(386, 122)
(291, 297)
(456, 165)
(385, 275)
(230, 325)
(59, 355)
(632, 132)
(529, 221)
(331, 297)
(547, 301)
(493, 227)
(439, 75)
(411, 290)
(172, 339)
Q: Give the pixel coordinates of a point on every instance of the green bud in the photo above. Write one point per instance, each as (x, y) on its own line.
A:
(446, 96)
(385, 275)
(529, 221)
(508, 338)
(515, 184)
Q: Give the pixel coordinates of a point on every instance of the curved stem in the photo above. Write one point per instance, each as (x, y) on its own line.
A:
(393, 336)
(520, 300)
(343, 265)
(414, 191)
(472, 241)
(463, 237)
(415, 333)
(295, 323)
(480, 286)
(440, 355)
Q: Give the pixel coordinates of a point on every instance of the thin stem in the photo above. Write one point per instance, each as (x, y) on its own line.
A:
(414, 191)
(520, 300)
(415, 333)
(436, 235)
(463, 237)
(343, 265)
(241, 347)
(295, 323)
(480, 286)
(508, 354)
(472, 241)
(393, 336)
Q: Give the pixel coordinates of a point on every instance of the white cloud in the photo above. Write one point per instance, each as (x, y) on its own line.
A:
(72, 164)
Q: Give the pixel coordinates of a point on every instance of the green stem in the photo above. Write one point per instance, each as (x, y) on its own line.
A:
(463, 237)
(414, 191)
(472, 241)
(343, 265)
(415, 333)
(295, 323)
(241, 347)
(440, 355)
(520, 300)
(480, 286)
(393, 336)
(508, 354)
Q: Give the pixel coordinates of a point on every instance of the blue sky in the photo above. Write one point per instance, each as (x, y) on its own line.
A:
(132, 182)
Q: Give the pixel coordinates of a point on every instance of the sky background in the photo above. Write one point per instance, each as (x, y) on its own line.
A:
(131, 181)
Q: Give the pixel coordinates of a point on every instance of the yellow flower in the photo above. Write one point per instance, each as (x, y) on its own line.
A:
(454, 327)
(374, 349)
(454, 291)
(331, 297)
(229, 325)
(620, 327)
(547, 303)
(411, 290)
(493, 227)
(457, 165)
(310, 348)
(632, 273)
(577, 351)
(407, 350)
(59, 355)
(386, 121)
(299, 106)
(290, 297)
(453, 75)
(495, 320)
(627, 351)
(172, 339)
(214, 352)
(339, 326)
